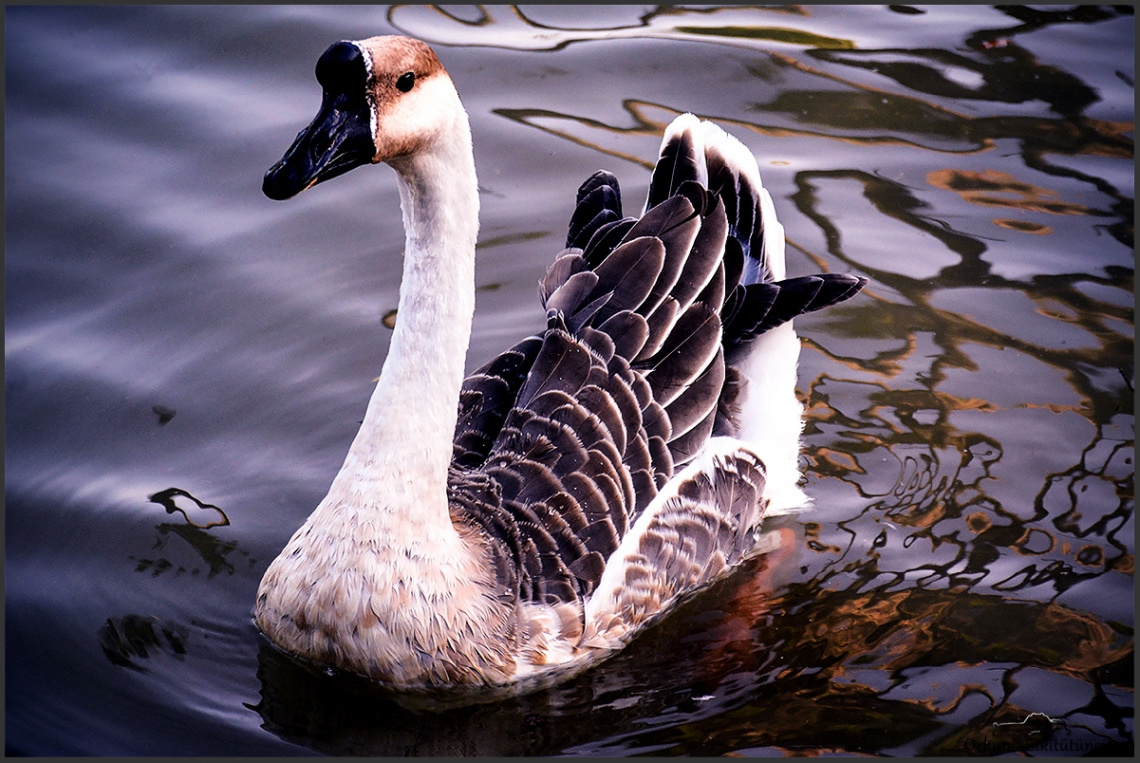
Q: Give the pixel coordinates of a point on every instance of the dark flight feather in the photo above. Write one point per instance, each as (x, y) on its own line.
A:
(564, 440)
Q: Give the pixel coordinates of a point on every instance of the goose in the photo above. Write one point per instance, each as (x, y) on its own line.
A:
(507, 530)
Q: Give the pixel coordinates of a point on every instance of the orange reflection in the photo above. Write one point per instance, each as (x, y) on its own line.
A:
(1022, 226)
(992, 188)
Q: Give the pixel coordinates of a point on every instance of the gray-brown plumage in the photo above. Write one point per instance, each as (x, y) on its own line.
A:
(623, 389)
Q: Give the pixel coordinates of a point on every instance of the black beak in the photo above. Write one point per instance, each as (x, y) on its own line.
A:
(338, 140)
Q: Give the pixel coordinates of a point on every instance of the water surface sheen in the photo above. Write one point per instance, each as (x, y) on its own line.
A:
(186, 363)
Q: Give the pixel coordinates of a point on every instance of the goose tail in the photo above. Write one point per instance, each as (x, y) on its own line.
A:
(758, 404)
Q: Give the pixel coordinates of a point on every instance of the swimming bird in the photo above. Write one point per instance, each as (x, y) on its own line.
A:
(509, 529)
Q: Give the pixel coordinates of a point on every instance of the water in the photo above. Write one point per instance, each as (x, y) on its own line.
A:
(186, 363)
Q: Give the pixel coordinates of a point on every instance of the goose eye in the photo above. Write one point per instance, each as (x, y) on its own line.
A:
(405, 82)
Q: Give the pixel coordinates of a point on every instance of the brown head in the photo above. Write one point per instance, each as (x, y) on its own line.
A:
(384, 98)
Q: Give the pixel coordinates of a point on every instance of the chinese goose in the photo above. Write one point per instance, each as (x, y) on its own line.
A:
(507, 530)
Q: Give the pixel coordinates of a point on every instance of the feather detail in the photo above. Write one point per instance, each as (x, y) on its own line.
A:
(631, 379)
(696, 529)
(598, 203)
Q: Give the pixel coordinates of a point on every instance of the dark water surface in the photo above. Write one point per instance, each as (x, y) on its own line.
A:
(186, 363)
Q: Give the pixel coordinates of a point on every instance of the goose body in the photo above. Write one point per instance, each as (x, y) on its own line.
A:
(506, 530)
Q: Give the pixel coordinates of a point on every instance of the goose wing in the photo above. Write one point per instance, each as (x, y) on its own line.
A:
(562, 441)
(566, 444)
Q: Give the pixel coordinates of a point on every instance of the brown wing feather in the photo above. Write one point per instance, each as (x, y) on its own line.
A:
(563, 441)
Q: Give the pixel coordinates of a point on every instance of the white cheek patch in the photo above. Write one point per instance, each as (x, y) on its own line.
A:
(366, 56)
(368, 90)
(372, 116)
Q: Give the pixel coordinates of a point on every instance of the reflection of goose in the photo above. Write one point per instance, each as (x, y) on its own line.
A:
(522, 523)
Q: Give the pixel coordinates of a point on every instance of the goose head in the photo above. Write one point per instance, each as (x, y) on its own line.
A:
(385, 99)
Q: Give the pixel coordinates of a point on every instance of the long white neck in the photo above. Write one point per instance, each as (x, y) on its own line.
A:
(399, 460)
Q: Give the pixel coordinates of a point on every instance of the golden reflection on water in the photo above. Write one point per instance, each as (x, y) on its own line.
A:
(991, 188)
(861, 653)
